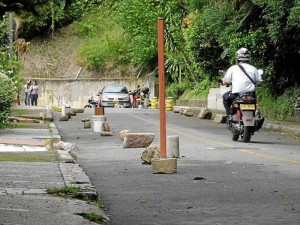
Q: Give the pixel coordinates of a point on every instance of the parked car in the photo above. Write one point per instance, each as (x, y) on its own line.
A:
(112, 95)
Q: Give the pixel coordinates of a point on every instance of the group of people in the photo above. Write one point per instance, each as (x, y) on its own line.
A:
(31, 90)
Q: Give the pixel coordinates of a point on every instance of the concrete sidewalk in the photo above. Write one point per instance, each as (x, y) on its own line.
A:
(23, 185)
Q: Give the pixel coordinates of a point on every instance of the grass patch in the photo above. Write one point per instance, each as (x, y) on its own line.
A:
(66, 192)
(18, 112)
(56, 108)
(29, 157)
(96, 202)
(16, 125)
(92, 217)
(191, 94)
(74, 192)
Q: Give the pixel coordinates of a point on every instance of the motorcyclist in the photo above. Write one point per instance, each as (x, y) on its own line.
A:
(145, 91)
(237, 77)
(135, 95)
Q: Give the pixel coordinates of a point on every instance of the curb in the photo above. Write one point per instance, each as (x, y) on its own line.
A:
(73, 174)
(285, 129)
(270, 126)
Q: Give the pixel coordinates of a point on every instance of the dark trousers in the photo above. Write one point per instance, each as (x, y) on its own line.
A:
(34, 99)
(228, 98)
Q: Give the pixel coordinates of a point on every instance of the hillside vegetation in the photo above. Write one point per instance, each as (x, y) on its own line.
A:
(201, 38)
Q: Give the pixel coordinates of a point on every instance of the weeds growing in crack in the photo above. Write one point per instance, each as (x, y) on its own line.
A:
(74, 193)
(67, 192)
(92, 217)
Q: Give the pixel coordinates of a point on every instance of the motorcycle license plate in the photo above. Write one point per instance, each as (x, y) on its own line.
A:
(247, 106)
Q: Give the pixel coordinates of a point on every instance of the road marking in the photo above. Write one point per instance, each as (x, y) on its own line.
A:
(187, 135)
(269, 156)
(249, 152)
(11, 209)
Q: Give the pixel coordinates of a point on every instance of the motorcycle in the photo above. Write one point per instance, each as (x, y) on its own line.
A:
(139, 96)
(246, 116)
(92, 103)
(136, 97)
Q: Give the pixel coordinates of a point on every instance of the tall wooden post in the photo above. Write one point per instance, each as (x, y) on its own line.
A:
(161, 74)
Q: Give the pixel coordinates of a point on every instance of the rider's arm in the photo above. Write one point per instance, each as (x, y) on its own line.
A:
(258, 77)
(224, 82)
(227, 80)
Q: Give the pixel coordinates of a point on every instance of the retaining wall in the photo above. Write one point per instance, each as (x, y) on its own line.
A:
(76, 92)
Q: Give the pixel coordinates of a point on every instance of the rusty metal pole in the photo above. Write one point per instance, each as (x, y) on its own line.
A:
(10, 35)
(161, 74)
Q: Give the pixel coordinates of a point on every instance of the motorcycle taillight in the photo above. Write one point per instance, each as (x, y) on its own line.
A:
(247, 98)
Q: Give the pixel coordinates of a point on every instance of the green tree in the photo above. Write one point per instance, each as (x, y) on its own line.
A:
(6, 98)
(139, 19)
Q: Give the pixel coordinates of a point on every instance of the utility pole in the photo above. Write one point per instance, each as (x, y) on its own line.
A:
(10, 35)
(161, 71)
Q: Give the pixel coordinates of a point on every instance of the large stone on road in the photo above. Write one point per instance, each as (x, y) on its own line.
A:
(138, 140)
(220, 118)
(205, 113)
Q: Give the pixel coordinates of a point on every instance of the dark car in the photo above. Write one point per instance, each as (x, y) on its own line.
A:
(112, 95)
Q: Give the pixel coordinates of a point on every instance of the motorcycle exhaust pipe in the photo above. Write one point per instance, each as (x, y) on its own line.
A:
(259, 121)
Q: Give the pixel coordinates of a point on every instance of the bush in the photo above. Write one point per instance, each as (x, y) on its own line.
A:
(202, 88)
(278, 108)
(6, 100)
(105, 43)
(177, 89)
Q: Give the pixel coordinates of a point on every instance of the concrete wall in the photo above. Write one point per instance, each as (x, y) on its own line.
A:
(215, 100)
(76, 92)
(192, 102)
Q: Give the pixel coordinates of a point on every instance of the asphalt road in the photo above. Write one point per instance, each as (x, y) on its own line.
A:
(236, 182)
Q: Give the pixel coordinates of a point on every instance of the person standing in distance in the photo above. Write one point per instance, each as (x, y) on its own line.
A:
(34, 93)
(237, 77)
(27, 91)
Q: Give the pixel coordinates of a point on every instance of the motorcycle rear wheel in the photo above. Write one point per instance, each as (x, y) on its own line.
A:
(246, 137)
(235, 137)
(235, 133)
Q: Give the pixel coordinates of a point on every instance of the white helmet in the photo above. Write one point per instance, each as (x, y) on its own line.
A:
(243, 54)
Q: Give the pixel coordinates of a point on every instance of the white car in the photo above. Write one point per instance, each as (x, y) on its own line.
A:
(112, 95)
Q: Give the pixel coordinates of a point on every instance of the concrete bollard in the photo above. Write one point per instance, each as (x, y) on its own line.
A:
(164, 165)
(173, 146)
(97, 123)
(86, 123)
(63, 110)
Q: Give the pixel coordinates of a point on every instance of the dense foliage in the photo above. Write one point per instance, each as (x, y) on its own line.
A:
(202, 36)
(35, 17)
(6, 99)
(10, 83)
(105, 41)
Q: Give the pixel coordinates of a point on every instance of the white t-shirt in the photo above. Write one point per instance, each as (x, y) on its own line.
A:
(239, 80)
